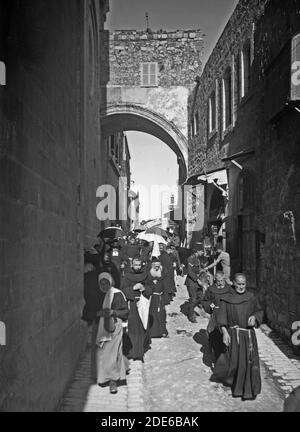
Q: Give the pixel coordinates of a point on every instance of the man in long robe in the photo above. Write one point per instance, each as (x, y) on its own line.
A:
(157, 311)
(168, 272)
(239, 313)
(134, 286)
(211, 305)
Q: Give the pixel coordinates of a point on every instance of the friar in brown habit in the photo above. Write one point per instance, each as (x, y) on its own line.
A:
(211, 305)
(239, 313)
(135, 287)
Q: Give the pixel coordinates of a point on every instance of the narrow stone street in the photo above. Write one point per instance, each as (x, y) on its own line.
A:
(177, 371)
(175, 375)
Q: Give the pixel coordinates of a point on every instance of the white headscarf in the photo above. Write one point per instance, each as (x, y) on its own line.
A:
(107, 276)
(102, 334)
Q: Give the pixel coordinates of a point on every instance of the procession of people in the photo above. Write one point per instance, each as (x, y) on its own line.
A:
(129, 281)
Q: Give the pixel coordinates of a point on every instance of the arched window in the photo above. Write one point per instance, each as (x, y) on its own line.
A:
(245, 66)
(227, 99)
(212, 112)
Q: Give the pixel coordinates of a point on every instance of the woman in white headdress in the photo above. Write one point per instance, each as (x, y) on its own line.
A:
(110, 361)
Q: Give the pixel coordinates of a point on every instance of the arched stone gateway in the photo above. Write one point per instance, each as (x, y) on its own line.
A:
(129, 116)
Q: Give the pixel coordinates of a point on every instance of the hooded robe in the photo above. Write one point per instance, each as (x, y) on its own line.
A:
(157, 313)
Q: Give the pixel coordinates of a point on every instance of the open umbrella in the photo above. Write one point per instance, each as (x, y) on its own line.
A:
(112, 233)
(151, 237)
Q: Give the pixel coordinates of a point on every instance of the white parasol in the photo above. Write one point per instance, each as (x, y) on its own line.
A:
(152, 238)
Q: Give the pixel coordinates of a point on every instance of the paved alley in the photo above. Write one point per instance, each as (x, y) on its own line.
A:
(177, 371)
(175, 376)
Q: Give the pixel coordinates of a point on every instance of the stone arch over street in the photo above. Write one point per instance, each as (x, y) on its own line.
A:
(130, 116)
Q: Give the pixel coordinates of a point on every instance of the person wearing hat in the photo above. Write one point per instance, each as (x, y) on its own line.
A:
(195, 267)
(111, 364)
(137, 292)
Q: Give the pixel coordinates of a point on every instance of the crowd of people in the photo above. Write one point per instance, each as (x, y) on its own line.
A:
(127, 286)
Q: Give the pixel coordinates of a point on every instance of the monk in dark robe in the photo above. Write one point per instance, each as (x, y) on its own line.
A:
(239, 313)
(211, 305)
(168, 273)
(196, 281)
(134, 287)
(157, 311)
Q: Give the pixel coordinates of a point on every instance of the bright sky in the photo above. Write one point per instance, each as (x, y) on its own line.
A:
(153, 163)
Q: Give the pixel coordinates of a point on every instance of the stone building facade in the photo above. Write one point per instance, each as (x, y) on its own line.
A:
(50, 167)
(118, 175)
(247, 129)
(150, 76)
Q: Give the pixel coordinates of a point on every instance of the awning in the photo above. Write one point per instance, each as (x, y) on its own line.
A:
(208, 177)
(193, 181)
(217, 177)
(242, 153)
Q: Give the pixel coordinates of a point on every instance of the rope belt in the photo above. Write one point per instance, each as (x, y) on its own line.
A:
(159, 306)
(238, 329)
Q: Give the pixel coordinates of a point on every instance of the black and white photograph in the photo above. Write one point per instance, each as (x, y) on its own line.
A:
(149, 209)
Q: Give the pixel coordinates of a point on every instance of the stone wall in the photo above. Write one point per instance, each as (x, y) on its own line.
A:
(206, 151)
(263, 227)
(49, 155)
(178, 55)
(279, 175)
(177, 52)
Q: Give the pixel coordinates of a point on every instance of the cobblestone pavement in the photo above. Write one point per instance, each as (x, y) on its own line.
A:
(177, 372)
(83, 395)
(282, 363)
